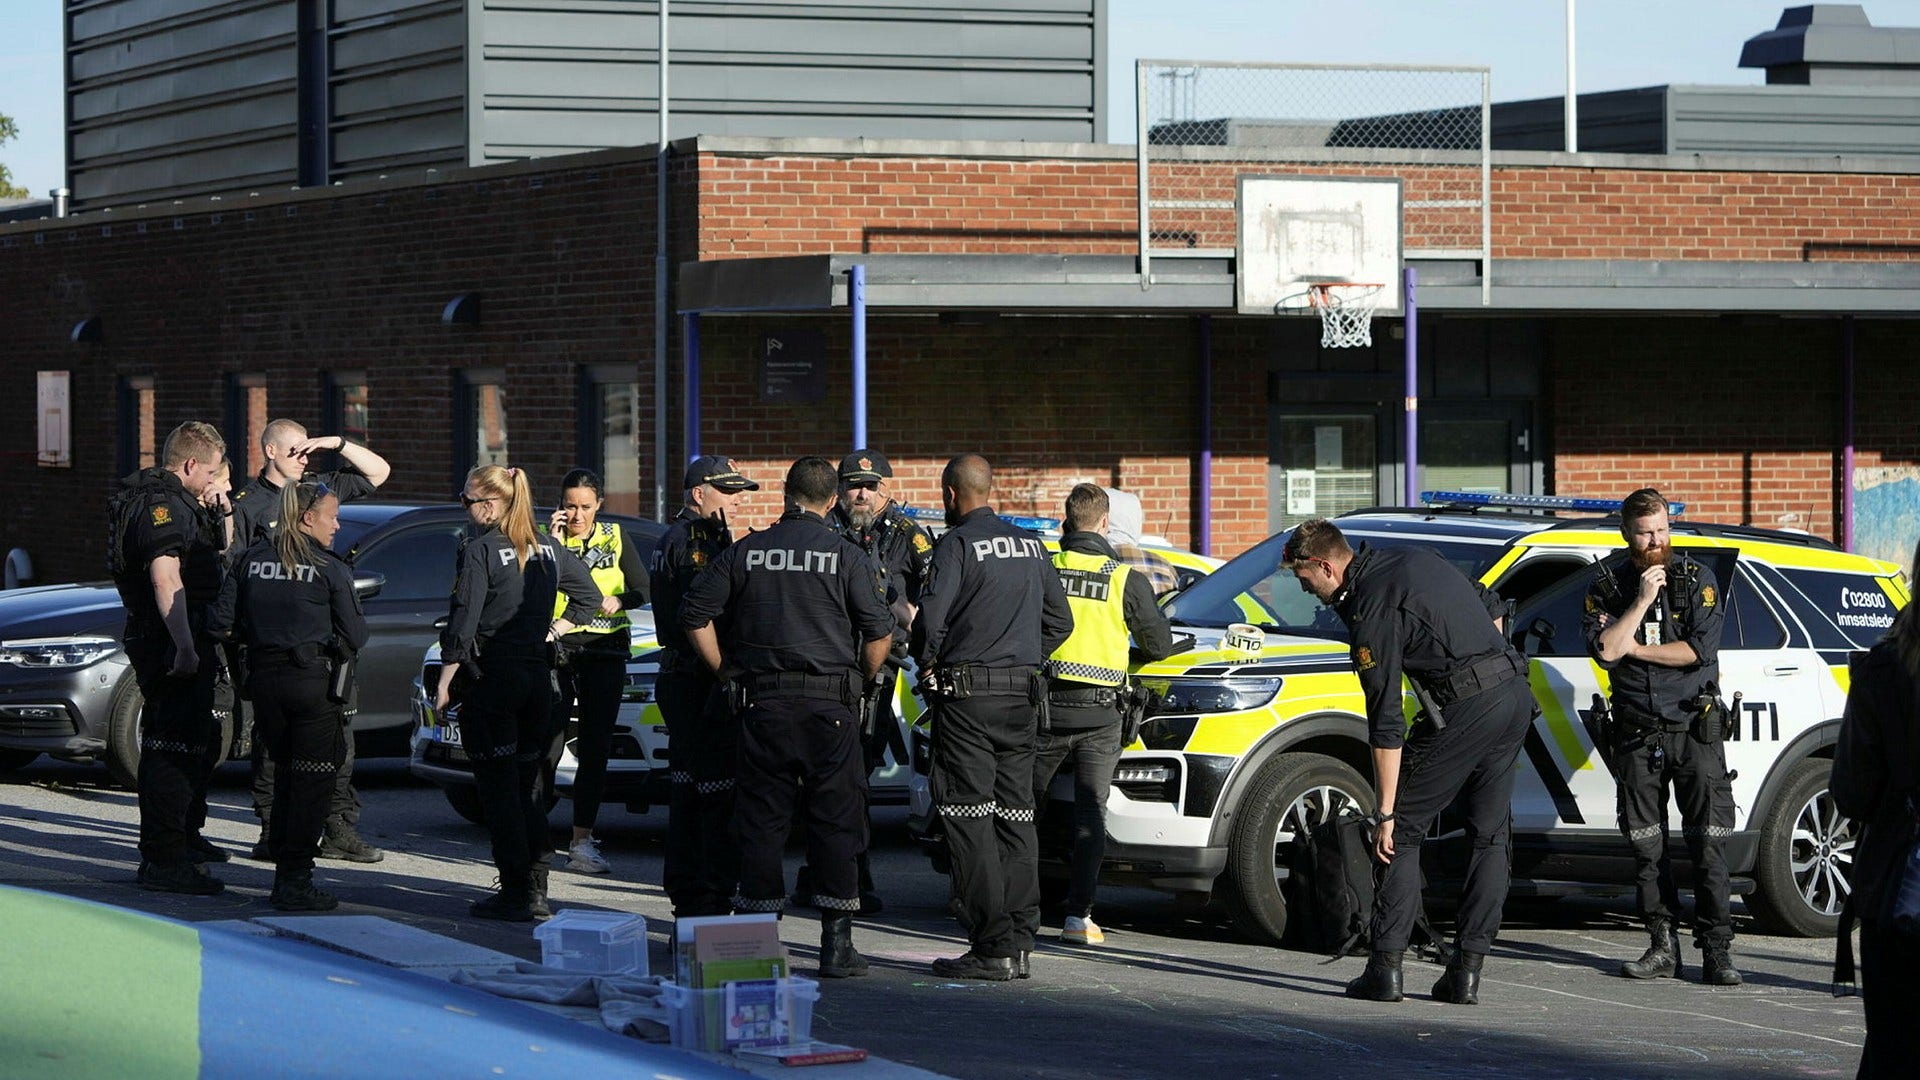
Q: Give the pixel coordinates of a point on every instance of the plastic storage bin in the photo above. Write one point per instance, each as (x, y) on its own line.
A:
(602, 942)
(753, 1016)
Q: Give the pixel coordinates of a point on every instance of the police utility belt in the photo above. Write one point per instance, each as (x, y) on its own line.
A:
(957, 682)
(1082, 696)
(1476, 678)
(844, 688)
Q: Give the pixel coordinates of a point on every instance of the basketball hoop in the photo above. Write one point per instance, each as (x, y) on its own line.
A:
(1346, 312)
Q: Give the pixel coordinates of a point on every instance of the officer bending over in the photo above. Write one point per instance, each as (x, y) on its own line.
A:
(300, 623)
(806, 628)
(169, 571)
(1653, 619)
(1410, 611)
(1085, 676)
(990, 615)
(702, 866)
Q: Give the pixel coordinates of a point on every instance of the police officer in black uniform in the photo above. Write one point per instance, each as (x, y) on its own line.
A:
(900, 550)
(300, 623)
(1653, 619)
(1412, 612)
(169, 571)
(806, 628)
(702, 864)
(286, 448)
(496, 681)
(991, 613)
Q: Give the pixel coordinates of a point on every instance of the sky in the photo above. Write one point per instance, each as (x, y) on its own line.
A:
(1621, 44)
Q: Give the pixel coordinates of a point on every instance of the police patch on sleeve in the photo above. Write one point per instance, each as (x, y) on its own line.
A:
(921, 544)
(1707, 597)
(1593, 603)
(1363, 658)
(162, 514)
(697, 557)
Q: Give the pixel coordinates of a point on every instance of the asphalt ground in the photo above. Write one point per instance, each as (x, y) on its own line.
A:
(1173, 992)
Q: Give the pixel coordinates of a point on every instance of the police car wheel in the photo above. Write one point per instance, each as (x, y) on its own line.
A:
(123, 735)
(1806, 847)
(465, 800)
(1289, 792)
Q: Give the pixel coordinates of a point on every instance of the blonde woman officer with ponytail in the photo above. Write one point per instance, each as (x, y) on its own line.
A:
(298, 618)
(496, 682)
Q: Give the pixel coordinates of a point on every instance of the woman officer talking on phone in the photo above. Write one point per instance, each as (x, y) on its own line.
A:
(593, 668)
(497, 674)
(299, 620)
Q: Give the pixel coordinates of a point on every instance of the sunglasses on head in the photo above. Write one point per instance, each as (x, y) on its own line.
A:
(468, 500)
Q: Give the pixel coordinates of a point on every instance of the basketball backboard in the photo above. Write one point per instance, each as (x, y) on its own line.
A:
(1297, 231)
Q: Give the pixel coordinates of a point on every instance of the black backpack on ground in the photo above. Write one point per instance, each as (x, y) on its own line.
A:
(1330, 887)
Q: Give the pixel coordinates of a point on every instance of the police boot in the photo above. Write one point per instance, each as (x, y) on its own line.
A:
(510, 904)
(293, 890)
(838, 958)
(1716, 965)
(1662, 958)
(1382, 981)
(1460, 983)
(537, 893)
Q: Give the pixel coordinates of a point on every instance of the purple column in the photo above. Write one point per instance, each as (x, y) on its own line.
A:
(1413, 392)
(1206, 435)
(857, 302)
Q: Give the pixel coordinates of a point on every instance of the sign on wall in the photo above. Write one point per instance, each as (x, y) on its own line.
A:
(56, 421)
(793, 367)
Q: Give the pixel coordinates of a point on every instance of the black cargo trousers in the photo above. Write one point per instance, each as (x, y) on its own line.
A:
(702, 866)
(982, 788)
(1649, 758)
(177, 732)
(800, 755)
(303, 735)
(1470, 759)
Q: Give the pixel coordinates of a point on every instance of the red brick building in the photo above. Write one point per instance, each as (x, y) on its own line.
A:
(1720, 328)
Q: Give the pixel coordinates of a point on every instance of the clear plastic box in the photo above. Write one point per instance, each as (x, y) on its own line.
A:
(709, 1020)
(602, 942)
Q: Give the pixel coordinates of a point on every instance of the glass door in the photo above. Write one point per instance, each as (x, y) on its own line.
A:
(1321, 464)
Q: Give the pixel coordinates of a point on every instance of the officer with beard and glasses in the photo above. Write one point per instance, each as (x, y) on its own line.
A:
(1653, 619)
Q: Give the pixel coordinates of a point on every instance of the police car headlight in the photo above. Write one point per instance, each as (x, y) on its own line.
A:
(1212, 695)
(57, 652)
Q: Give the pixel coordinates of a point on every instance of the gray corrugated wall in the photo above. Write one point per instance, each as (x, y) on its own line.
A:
(1794, 120)
(168, 98)
(398, 87)
(560, 76)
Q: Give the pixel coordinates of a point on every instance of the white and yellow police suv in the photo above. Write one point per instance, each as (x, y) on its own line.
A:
(638, 763)
(1247, 746)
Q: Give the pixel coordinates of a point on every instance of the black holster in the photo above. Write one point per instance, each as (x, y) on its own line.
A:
(1037, 694)
(1711, 717)
(340, 669)
(1135, 702)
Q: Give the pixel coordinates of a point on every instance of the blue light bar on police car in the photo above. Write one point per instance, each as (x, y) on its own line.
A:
(1530, 502)
(939, 516)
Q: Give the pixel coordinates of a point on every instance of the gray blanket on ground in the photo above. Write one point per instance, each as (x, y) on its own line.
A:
(628, 1004)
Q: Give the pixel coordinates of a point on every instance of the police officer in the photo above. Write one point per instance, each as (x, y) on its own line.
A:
(1653, 619)
(300, 623)
(1085, 677)
(593, 668)
(286, 448)
(806, 627)
(702, 865)
(1409, 611)
(496, 681)
(899, 549)
(169, 572)
(991, 613)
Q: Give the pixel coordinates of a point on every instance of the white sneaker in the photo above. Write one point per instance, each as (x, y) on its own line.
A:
(1081, 931)
(584, 857)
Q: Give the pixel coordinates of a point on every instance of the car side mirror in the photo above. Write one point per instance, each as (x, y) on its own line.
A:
(368, 586)
(1187, 578)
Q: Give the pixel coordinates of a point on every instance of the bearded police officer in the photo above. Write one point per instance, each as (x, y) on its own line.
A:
(702, 865)
(1411, 612)
(1085, 676)
(169, 571)
(286, 448)
(991, 613)
(899, 549)
(1653, 619)
(806, 628)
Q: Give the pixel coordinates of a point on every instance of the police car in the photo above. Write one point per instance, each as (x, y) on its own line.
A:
(1248, 745)
(637, 767)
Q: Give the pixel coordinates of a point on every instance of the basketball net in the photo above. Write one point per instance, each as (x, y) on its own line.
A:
(1346, 312)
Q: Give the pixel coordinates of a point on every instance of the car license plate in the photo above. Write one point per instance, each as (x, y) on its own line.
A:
(448, 735)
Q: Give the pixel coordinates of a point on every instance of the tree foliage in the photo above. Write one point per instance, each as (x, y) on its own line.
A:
(8, 189)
